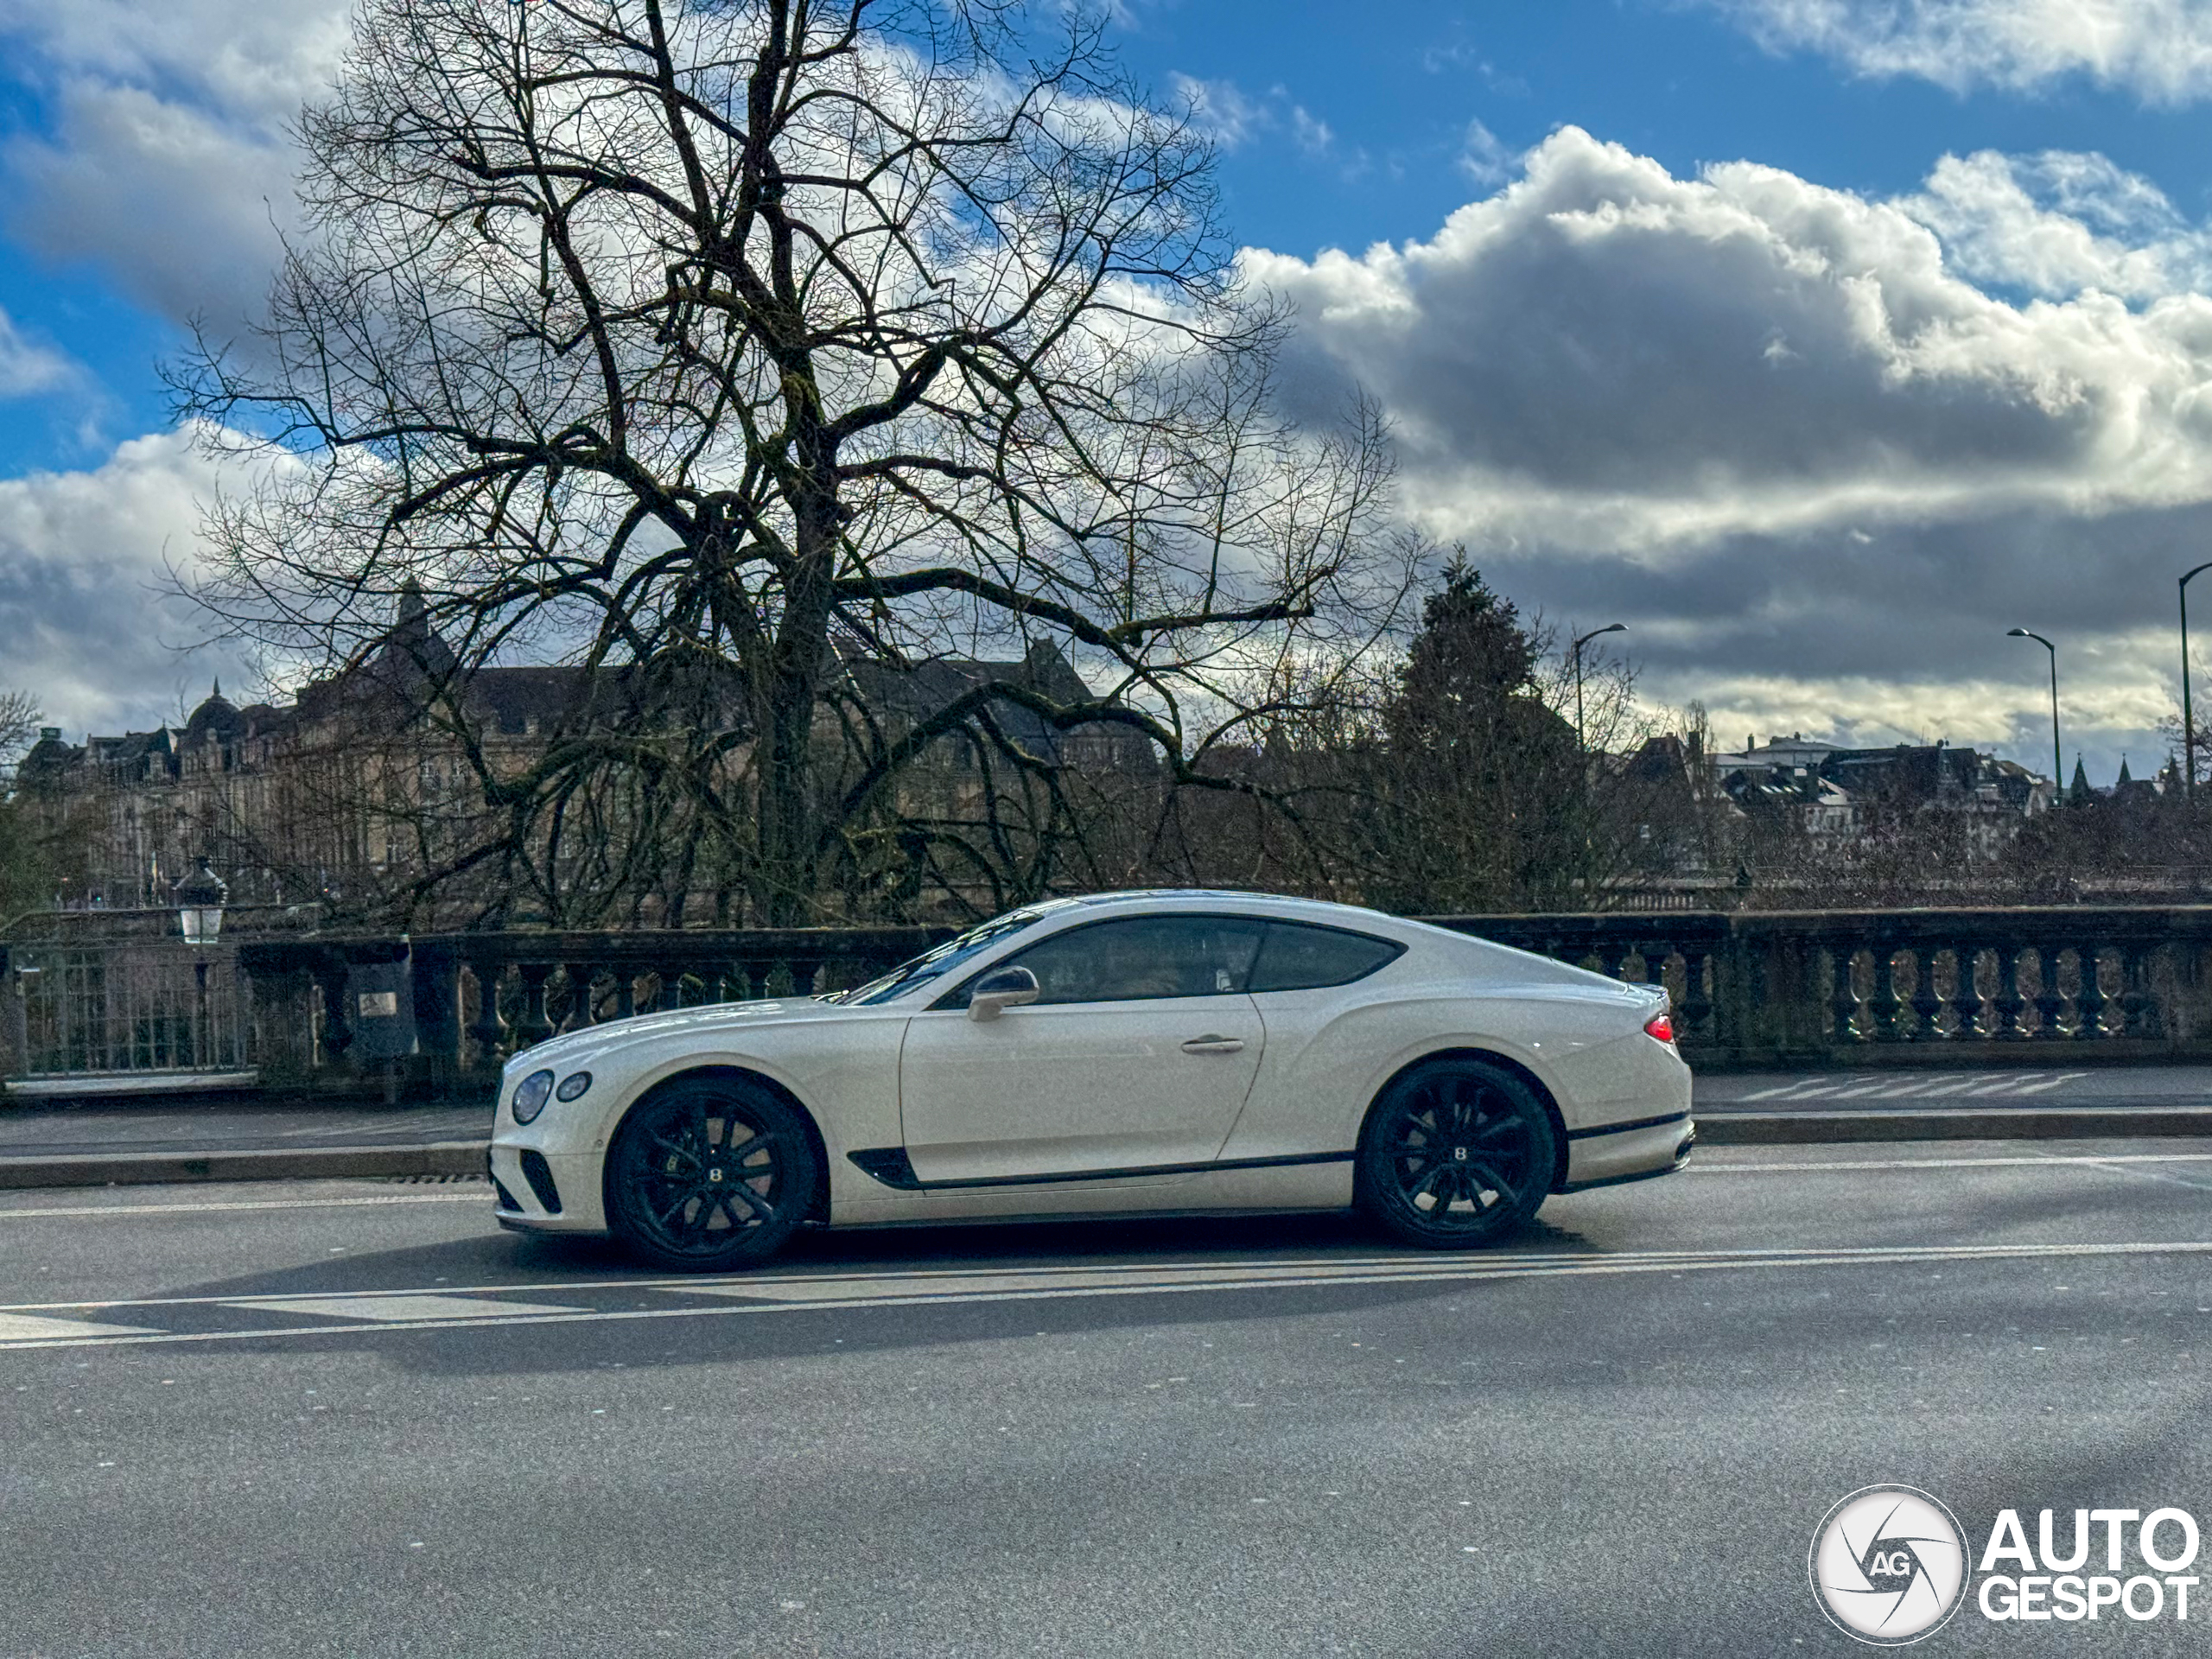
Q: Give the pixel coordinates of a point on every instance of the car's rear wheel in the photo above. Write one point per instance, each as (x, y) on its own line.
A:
(1456, 1154)
(709, 1173)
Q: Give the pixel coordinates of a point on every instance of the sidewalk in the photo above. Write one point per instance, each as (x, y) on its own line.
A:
(1795, 1108)
(198, 1138)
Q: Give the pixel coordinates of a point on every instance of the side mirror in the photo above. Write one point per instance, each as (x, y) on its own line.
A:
(1000, 990)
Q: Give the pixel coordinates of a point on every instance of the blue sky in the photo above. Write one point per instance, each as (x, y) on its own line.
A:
(1818, 340)
(1398, 86)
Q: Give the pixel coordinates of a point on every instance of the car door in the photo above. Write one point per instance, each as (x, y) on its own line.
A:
(1136, 1056)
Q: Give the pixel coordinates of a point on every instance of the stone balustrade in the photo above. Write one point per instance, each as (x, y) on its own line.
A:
(2024, 986)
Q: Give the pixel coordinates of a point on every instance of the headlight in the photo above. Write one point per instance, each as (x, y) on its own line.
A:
(530, 1099)
(573, 1085)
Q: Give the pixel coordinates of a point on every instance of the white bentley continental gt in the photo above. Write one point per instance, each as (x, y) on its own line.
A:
(1127, 1053)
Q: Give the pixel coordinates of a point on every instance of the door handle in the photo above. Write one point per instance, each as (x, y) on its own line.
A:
(1212, 1043)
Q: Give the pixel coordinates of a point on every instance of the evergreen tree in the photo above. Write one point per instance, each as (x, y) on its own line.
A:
(1481, 798)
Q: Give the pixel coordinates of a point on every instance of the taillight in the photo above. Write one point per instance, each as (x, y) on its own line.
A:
(1662, 1026)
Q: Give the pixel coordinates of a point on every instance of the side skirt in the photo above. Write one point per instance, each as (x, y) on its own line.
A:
(891, 1166)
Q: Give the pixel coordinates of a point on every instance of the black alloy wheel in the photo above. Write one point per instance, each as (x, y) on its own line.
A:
(1456, 1154)
(709, 1173)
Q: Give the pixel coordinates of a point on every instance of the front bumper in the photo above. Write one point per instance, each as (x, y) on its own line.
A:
(569, 1181)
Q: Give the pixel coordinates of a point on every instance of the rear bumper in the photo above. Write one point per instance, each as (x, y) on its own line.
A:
(1635, 1151)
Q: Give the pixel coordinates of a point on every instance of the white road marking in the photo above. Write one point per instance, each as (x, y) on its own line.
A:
(1951, 1088)
(22, 1327)
(1713, 1168)
(478, 1194)
(2052, 1083)
(897, 1290)
(403, 1309)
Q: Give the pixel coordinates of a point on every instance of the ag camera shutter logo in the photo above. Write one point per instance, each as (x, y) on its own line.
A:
(1888, 1565)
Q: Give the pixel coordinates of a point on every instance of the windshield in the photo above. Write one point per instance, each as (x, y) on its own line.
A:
(935, 962)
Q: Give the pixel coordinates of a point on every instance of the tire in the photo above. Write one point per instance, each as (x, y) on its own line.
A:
(1455, 1154)
(708, 1174)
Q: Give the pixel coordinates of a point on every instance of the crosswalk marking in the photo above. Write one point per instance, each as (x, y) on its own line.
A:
(1975, 1085)
(826, 1292)
(478, 1195)
(25, 1327)
(394, 1309)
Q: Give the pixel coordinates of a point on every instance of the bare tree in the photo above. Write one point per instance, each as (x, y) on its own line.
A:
(694, 338)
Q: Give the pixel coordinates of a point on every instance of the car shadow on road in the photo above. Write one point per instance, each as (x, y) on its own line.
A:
(515, 1266)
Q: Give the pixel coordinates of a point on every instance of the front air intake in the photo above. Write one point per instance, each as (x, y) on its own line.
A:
(540, 1177)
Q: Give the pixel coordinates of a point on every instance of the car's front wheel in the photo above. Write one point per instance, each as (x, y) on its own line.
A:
(708, 1174)
(1456, 1154)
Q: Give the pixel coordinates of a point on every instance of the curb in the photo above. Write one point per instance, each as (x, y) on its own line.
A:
(286, 1163)
(1725, 1128)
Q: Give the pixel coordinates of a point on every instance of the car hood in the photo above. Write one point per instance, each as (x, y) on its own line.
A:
(579, 1047)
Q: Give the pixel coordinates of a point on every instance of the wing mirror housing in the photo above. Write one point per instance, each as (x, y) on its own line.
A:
(1000, 990)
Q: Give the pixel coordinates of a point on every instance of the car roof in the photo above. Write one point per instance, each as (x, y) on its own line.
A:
(1215, 899)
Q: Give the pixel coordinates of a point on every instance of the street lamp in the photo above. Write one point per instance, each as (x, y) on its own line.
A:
(200, 899)
(2187, 727)
(2058, 776)
(1610, 627)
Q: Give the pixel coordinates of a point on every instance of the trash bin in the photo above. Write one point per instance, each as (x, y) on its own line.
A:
(380, 998)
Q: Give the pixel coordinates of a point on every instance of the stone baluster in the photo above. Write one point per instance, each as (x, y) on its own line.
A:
(2089, 1000)
(534, 1027)
(2011, 1005)
(2138, 1009)
(2050, 1002)
(1968, 992)
(577, 976)
(489, 1033)
(1887, 1005)
(1843, 999)
(1697, 1001)
(1927, 1006)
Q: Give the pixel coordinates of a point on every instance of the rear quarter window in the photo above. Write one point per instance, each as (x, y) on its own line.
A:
(1298, 956)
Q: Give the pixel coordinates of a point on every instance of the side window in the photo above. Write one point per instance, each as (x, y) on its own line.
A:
(1142, 958)
(1297, 958)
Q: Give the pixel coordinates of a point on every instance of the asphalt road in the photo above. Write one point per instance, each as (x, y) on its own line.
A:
(351, 1419)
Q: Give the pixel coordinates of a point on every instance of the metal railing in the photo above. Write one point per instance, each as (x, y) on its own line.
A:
(154, 1010)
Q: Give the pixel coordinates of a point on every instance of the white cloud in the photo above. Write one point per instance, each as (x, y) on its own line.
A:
(27, 368)
(167, 159)
(84, 559)
(1484, 156)
(2160, 50)
(2060, 223)
(1786, 428)
(1233, 118)
(1221, 109)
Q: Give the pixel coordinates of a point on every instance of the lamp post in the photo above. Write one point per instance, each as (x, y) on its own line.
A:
(1610, 627)
(2057, 776)
(200, 899)
(2188, 726)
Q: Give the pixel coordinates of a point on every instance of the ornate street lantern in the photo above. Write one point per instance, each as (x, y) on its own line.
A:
(200, 899)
